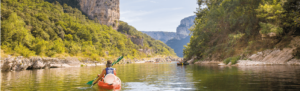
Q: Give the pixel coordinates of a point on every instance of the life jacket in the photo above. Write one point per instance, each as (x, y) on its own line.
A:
(109, 70)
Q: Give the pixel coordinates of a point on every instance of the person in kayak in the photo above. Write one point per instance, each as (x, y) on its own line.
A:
(106, 71)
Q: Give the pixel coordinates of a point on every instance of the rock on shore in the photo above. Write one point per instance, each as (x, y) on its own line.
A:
(275, 56)
(270, 56)
(20, 63)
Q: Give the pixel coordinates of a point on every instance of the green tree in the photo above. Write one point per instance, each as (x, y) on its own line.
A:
(225, 26)
(46, 29)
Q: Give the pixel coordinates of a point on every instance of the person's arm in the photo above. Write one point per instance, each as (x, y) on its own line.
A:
(115, 72)
(100, 77)
(103, 73)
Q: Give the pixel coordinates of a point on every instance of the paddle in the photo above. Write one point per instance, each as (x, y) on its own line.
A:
(119, 59)
(91, 82)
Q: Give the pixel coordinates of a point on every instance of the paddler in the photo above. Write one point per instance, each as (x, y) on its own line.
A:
(107, 70)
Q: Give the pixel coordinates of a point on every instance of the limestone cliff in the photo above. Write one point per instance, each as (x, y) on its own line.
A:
(160, 35)
(182, 35)
(178, 40)
(106, 12)
(183, 29)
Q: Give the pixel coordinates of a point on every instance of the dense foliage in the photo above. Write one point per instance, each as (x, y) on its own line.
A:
(37, 27)
(72, 3)
(227, 28)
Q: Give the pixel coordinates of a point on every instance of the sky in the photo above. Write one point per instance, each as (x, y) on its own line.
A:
(156, 15)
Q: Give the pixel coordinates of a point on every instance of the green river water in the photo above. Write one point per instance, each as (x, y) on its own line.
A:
(159, 77)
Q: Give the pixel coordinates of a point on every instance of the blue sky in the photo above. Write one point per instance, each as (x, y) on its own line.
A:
(156, 15)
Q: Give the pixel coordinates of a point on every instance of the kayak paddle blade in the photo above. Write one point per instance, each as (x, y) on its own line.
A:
(119, 59)
(90, 82)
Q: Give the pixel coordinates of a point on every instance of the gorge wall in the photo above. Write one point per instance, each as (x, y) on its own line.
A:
(160, 35)
(182, 35)
(106, 12)
(178, 40)
(182, 30)
(177, 45)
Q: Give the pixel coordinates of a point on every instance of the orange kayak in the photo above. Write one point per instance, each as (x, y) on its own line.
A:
(116, 84)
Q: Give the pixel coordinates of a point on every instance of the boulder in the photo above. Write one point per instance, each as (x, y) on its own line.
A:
(38, 65)
(7, 64)
(191, 61)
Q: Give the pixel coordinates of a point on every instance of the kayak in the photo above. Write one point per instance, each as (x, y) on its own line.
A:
(182, 63)
(116, 84)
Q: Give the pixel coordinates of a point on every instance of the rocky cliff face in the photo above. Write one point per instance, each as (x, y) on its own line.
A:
(183, 29)
(107, 12)
(178, 40)
(160, 35)
(182, 35)
(177, 45)
(137, 41)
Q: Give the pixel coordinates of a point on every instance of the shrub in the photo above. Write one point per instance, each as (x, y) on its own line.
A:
(235, 59)
(227, 60)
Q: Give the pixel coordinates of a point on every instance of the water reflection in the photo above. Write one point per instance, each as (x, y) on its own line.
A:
(158, 77)
(273, 77)
(247, 78)
(153, 77)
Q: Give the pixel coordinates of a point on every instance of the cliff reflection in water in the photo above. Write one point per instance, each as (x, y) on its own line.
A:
(165, 76)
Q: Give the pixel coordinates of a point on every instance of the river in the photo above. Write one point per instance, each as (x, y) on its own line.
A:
(158, 77)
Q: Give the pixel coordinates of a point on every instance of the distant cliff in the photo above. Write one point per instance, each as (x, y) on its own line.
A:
(183, 29)
(177, 45)
(160, 35)
(178, 40)
(106, 12)
(182, 35)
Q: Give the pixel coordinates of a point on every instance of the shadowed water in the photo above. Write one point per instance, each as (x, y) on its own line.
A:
(152, 77)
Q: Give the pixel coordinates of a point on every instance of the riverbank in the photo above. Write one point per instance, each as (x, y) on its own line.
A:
(285, 56)
(250, 62)
(20, 63)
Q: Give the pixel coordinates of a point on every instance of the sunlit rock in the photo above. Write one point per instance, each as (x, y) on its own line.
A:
(106, 12)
